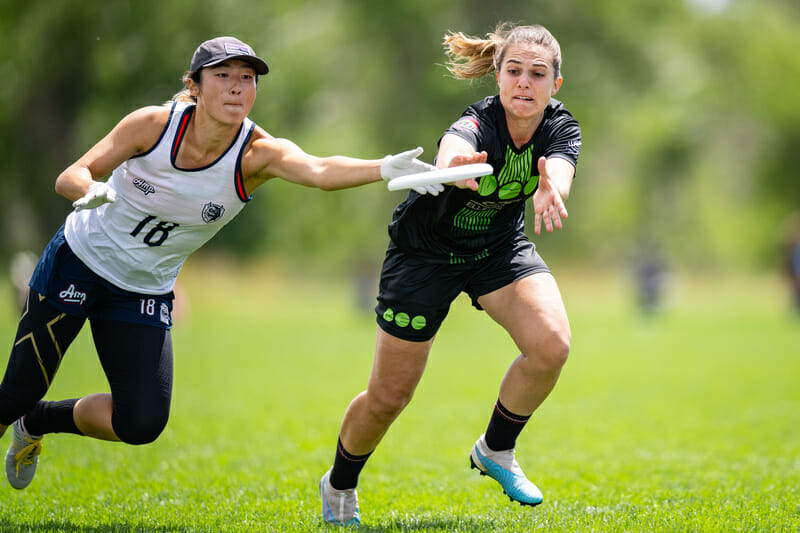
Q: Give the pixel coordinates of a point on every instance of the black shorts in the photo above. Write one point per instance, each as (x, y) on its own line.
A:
(73, 288)
(414, 296)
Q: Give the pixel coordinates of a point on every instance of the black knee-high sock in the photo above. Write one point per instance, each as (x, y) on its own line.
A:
(504, 428)
(346, 468)
(52, 417)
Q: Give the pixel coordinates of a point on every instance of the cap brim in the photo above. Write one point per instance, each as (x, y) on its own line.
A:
(258, 63)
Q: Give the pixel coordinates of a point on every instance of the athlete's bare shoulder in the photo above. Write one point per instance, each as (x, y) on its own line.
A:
(149, 115)
(261, 151)
(259, 134)
(143, 127)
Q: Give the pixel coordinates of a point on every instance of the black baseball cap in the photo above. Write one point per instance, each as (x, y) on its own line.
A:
(217, 50)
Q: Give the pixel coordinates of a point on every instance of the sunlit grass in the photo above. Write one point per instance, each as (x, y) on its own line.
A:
(686, 421)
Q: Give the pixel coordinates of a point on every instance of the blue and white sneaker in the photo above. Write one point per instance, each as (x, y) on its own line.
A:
(22, 456)
(503, 468)
(339, 507)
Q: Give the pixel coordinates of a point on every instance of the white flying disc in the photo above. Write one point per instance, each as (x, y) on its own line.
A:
(440, 175)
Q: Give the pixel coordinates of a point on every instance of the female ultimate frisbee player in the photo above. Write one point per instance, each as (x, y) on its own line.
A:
(179, 173)
(470, 238)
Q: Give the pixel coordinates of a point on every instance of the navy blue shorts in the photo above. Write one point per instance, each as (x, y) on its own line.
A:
(414, 296)
(73, 288)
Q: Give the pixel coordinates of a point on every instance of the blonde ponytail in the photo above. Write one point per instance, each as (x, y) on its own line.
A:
(469, 57)
(472, 57)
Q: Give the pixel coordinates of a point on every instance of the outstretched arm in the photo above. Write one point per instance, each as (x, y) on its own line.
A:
(269, 158)
(555, 180)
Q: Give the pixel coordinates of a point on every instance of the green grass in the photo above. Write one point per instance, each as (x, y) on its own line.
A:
(686, 422)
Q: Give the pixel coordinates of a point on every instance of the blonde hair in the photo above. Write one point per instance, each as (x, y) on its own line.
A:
(184, 95)
(473, 57)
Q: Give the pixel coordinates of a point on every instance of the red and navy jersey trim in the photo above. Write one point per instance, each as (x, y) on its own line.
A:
(238, 181)
(182, 126)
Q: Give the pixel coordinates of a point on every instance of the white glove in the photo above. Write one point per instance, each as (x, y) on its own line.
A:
(405, 163)
(99, 193)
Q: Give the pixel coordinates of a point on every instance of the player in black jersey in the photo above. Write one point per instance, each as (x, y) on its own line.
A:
(470, 238)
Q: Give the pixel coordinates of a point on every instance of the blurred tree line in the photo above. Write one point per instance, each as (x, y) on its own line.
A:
(689, 111)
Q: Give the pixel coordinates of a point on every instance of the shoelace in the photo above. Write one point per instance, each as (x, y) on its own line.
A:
(341, 507)
(28, 454)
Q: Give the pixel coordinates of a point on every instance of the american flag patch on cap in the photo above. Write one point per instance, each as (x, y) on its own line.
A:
(237, 49)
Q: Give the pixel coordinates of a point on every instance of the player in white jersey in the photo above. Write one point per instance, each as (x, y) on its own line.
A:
(178, 174)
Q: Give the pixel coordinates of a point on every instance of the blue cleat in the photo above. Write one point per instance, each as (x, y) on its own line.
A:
(503, 468)
(339, 507)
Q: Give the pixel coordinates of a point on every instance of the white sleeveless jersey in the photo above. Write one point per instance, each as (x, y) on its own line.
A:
(162, 213)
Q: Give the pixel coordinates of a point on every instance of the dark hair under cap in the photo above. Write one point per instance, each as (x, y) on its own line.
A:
(220, 49)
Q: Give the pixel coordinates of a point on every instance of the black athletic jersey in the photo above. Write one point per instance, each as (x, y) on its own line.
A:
(460, 225)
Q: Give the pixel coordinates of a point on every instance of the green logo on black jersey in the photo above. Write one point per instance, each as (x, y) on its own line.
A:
(515, 176)
(470, 220)
(514, 179)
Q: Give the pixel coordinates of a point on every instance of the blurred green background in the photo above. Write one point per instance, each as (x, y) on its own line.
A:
(689, 111)
(691, 154)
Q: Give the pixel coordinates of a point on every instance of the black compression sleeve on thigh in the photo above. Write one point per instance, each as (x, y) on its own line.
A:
(137, 360)
(43, 336)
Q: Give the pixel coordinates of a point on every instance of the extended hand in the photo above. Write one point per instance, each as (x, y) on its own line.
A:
(405, 163)
(548, 205)
(99, 193)
(468, 159)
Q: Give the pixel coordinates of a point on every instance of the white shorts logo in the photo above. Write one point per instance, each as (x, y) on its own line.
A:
(71, 295)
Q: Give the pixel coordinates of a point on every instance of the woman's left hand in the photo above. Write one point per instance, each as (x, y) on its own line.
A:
(548, 205)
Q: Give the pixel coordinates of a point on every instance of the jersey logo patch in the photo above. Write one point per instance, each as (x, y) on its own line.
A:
(574, 147)
(466, 124)
(143, 186)
(212, 212)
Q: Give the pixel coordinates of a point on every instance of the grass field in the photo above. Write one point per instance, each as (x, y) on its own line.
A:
(689, 421)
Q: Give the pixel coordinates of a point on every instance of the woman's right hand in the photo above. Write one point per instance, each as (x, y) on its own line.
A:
(99, 193)
(468, 159)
